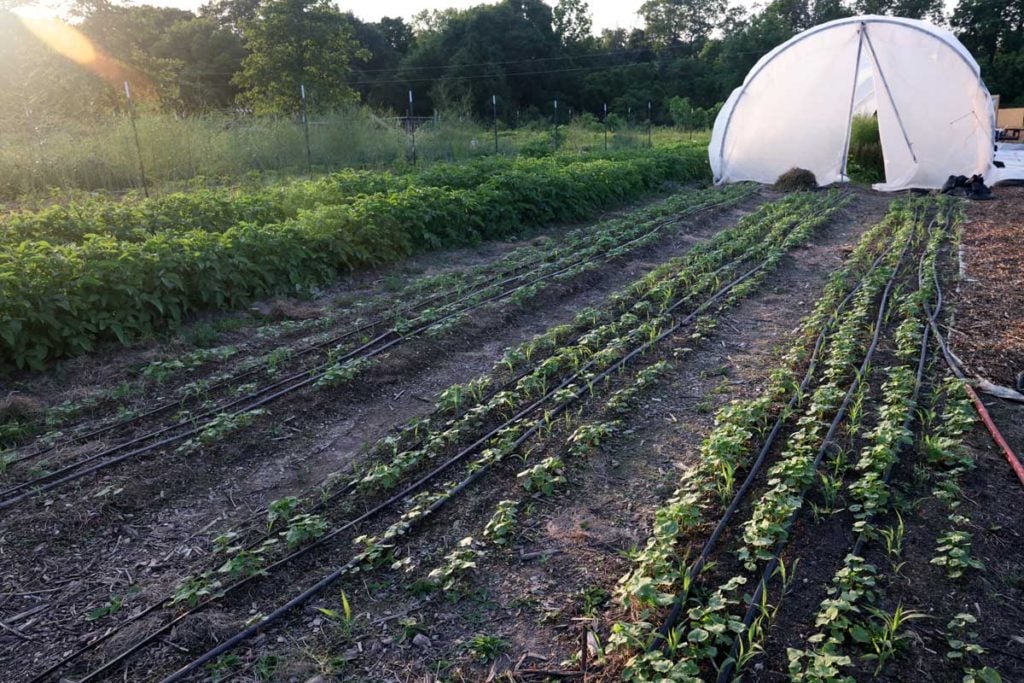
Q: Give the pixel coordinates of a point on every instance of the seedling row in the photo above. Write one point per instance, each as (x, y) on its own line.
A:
(830, 446)
(208, 410)
(412, 475)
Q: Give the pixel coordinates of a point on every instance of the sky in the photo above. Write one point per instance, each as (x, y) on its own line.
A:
(604, 13)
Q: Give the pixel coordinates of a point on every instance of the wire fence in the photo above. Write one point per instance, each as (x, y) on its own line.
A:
(154, 150)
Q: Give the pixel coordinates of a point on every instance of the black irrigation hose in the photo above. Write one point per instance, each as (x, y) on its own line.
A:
(245, 374)
(922, 361)
(152, 637)
(954, 363)
(397, 338)
(370, 352)
(695, 569)
(729, 665)
(458, 457)
(507, 278)
(956, 366)
(331, 578)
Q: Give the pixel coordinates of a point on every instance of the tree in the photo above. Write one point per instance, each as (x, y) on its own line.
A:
(671, 22)
(572, 22)
(911, 9)
(993, 30)
(462, 57)
(203, 57)
(397, 33)
(989, 27)
(293, 43)
(231, 13)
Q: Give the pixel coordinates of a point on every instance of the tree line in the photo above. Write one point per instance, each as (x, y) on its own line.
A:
(684, 57)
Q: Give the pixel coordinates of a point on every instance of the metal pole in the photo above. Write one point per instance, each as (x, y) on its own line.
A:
(494, 109)
(305, 129)
(135, 134)
(412, 130)
(888, 92)
(650, 123)
(606, 126)
(554, 136)
(853, 93)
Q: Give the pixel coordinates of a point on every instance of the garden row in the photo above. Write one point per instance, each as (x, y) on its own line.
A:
(860, 393)
(218, 209)
(422, 301)
(536, 388)
(211, 402)
(60, 300)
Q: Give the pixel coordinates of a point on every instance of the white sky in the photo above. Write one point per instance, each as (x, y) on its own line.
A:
(604, 13)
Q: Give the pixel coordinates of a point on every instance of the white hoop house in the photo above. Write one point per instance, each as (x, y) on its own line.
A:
(935, 116)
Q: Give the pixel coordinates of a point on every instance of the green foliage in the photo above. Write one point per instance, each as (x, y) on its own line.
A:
(689, 117)
(502, 523)
(544, 476)
(457, 564)
(866, 163)
(60, 300)
(293, 43)
(486, 647)
(953, 551)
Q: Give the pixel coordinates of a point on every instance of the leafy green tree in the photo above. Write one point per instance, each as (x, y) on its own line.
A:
(671, 22)
(462, 57)
(203, 57)
(38, 85)
(292, 43)
(911, 9)
(374, 71)
(989, 27)
(231, 13)
(572, 22)
(397, 33)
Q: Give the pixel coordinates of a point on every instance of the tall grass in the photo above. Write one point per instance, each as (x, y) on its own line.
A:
(866, 163)
(64, 157)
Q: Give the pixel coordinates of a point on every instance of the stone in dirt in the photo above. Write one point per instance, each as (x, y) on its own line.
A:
(421, 641)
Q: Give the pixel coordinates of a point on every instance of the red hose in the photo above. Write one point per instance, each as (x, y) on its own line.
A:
(957, 367)
(1011, 457)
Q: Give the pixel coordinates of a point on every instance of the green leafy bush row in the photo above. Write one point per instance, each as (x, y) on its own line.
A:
(216, 210)
(58, 300)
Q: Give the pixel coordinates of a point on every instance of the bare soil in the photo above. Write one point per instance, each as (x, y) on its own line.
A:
(149, 522)
(135, 531)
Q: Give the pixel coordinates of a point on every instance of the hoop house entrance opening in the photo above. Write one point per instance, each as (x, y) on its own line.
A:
(796, 106)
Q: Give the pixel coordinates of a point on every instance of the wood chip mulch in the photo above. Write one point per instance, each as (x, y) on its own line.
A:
(989, 323)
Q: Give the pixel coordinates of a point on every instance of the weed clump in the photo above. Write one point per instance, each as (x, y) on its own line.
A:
(16, 407)
(796, 179)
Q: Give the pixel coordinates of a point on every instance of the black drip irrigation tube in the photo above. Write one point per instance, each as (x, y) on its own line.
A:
(922, 361)
(334, 576)
(956, 366)
(725, 673)
(461, 455)
(507, 276)
(755, 468)
(245, 374)
(290, 384)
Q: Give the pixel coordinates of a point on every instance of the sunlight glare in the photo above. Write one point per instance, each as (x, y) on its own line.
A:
(58, 36)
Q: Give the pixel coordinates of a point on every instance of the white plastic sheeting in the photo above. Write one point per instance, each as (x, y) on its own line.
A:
(935, 115)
